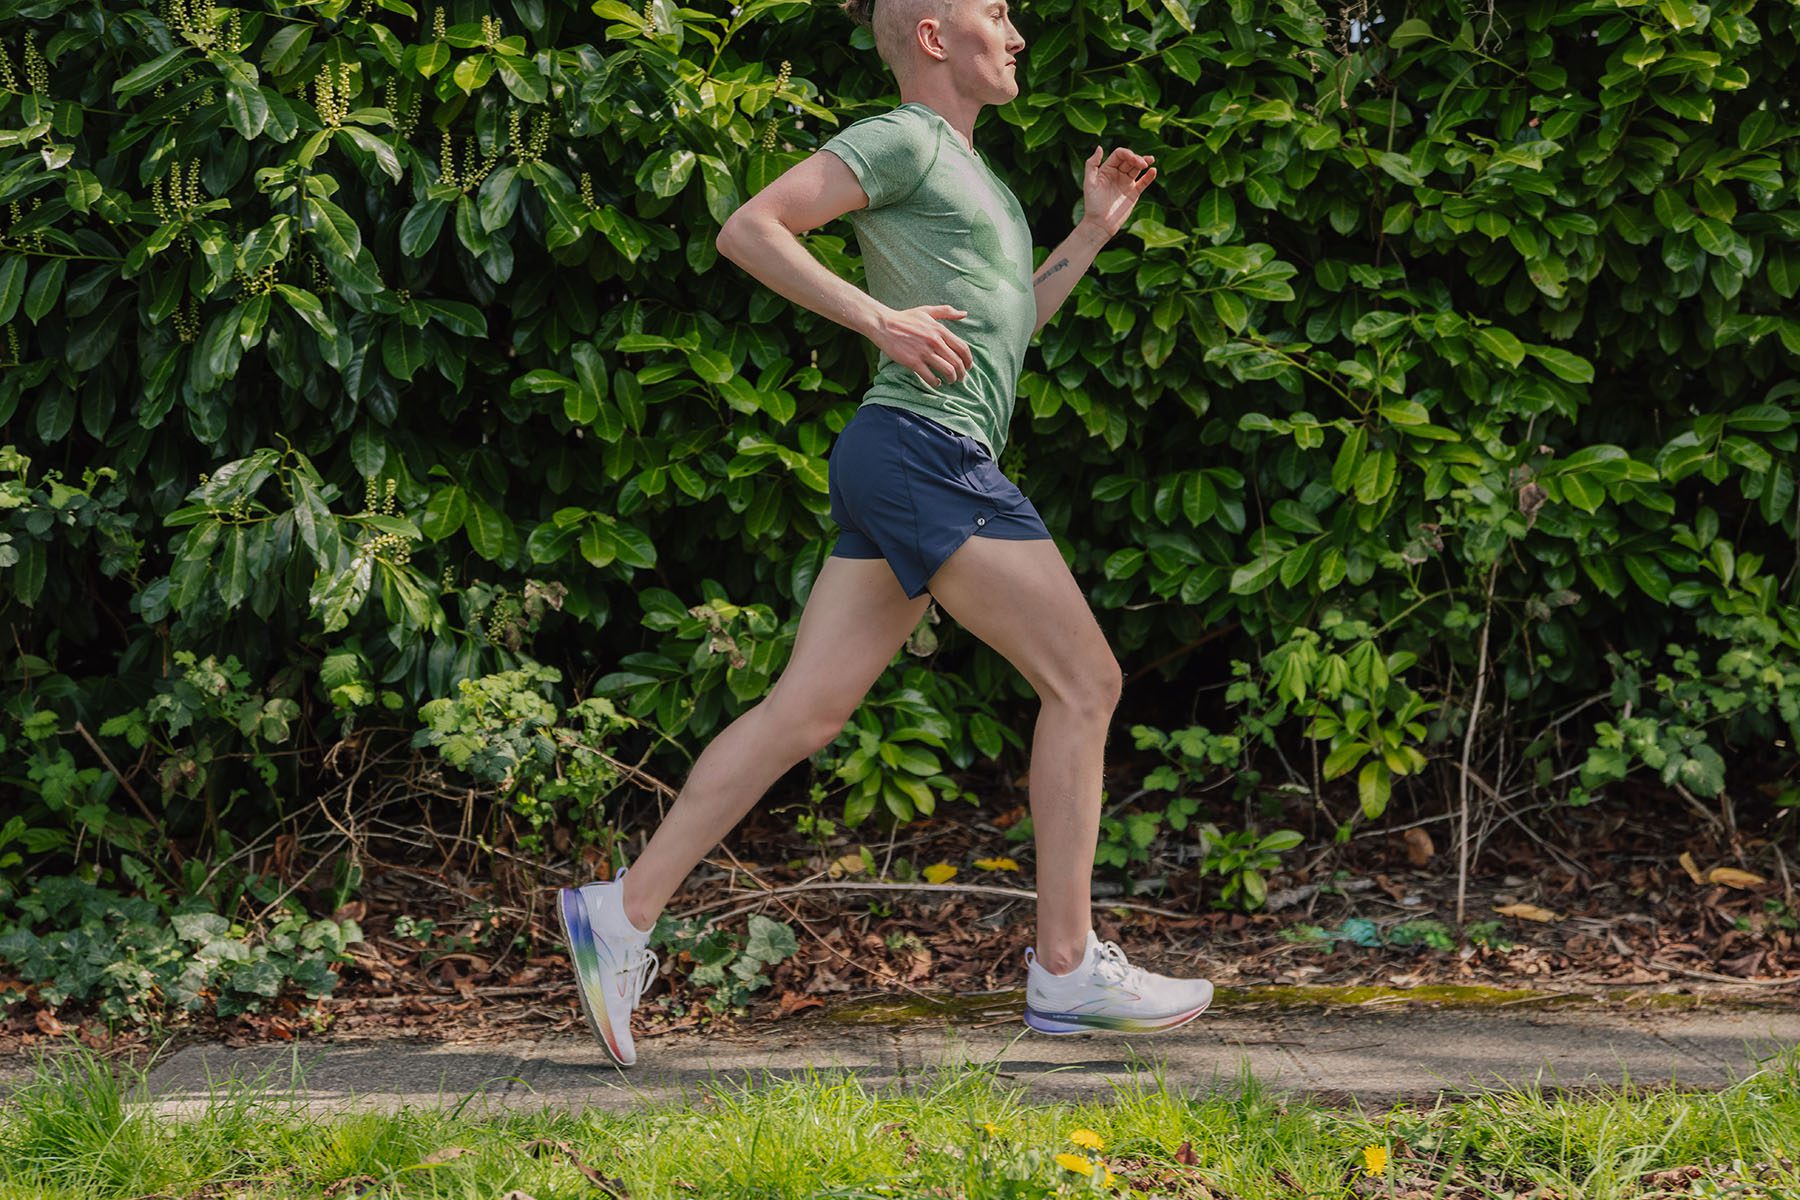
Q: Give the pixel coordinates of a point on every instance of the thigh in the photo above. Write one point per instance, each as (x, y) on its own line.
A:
(1020, 598)
(856, 619)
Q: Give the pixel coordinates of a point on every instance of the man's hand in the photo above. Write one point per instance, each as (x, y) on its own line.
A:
(914, 338)
(1111, 188)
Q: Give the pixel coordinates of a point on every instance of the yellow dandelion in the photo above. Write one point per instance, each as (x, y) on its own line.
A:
(992, 1129)
(939, 873)
(1080, 1164)
(1086, 1137)
(1375, 1159)
(996, 864)
(1109, 1180)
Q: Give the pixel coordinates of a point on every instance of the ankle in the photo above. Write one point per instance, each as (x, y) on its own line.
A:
(1060, 964)
(641, 917)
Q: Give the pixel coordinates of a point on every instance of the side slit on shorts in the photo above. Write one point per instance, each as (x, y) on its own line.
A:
(907, 489)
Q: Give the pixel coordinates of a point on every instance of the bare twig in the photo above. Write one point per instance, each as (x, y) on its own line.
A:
(250, 848)
(289, 890)
(1594, 699)
(508, 909)
(1462, 841)
(1557, 778)
(398, 833)
(1663, 966)
(1210, 635)
(1287, 897)
(1379, 831)
(502, 993)
(815, 936)
(1706, 814)
(155, 824)
(951, 888)
(1517, 818)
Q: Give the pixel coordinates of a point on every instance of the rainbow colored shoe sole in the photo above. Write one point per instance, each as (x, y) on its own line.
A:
(578, 935)
(1045, 1022)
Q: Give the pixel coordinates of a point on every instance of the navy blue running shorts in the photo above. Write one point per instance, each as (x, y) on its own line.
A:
(910, 490)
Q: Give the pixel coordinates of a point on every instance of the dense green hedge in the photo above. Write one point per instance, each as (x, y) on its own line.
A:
(355, 351)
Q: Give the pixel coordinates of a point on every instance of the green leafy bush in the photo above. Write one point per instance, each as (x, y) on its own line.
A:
(547, 766)
(138, 963)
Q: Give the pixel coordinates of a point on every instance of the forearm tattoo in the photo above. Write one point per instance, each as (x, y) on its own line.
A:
(1051, 270)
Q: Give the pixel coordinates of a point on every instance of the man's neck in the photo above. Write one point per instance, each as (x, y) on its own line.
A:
(953, 109)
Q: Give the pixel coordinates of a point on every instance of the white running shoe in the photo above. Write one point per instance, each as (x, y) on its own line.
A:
(1107, 993)
(612, 958)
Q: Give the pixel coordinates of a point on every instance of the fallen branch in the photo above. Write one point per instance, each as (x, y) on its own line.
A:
(1657, 965)
(979, 889)
(1287, 897)
(499, 993)
(817, 938)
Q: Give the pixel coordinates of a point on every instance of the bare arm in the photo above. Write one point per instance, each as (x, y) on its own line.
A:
(1063, 266)
(1110, 189)
(773, 253)
(762, 237)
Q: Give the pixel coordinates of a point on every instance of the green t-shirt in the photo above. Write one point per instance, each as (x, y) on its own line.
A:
(941, 228)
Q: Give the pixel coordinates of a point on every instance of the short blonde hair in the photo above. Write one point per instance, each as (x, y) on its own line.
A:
(895, 23)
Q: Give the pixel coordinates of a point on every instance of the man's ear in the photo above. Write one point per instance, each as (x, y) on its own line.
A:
(930, 39)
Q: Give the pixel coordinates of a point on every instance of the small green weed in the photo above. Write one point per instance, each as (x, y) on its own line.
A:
(732, 966)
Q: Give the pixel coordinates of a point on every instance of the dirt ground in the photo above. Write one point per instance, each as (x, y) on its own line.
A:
(1571, 899)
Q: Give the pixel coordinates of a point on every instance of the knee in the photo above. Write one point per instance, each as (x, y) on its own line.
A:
(1108, 685)
(1094, 692)
(805, 732)
(820, 734)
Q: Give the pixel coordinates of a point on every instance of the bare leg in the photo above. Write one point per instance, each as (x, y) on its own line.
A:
(1066, 761)
(1019, 598)
(856, 619)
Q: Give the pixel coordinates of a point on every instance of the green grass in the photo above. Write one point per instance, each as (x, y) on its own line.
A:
(76, 1129)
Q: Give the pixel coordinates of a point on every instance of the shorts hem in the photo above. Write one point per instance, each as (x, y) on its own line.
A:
(963, 536)
(1015, 537)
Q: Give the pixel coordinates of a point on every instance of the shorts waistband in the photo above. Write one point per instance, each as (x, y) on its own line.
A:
(899, 412)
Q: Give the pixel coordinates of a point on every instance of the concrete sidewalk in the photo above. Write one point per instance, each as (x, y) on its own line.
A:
(1367, 1055)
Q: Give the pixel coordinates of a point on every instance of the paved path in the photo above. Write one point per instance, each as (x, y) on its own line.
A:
(1368, 1055)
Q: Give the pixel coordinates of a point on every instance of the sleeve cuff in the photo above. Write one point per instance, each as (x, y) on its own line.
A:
(859, 167)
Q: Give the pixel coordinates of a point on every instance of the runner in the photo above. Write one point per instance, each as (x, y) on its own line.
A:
(923, 509)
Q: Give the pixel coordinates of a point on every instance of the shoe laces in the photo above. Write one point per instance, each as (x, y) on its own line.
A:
(1112, 966)
(645, 966)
